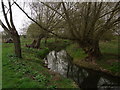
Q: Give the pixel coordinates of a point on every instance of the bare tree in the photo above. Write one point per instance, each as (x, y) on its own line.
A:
(85, 23)
(10, 29)
(46, 18)
(49, 30)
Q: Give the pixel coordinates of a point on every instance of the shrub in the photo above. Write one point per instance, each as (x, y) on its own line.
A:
(42, 53)
(115, 67)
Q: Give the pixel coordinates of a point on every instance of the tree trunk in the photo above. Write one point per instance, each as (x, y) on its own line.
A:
(17, 45)
(33, 43)
(93, 52)
(37, 45)
(45, 41)
(11, 30)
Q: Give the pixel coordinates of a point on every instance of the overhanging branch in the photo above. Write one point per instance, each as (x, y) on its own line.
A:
(45, 29)
(4, 27)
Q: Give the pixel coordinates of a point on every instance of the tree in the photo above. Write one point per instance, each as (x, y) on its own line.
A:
(35, 33)
(108, 36)
(88, 21)
(10, 29)
(44, 16)
(85, 23)
(5, 36)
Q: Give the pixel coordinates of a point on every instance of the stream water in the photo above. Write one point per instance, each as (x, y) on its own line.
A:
(85, 78)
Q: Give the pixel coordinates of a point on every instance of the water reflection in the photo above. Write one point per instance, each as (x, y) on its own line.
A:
(61, 62)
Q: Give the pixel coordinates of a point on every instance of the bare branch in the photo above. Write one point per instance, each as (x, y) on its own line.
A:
(4, 27)
(5, 16)
(54, 9)
(9, 8)
(11, 17)
(45, 29)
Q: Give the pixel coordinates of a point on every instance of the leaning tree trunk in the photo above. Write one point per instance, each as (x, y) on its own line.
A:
(46, 41)
(37, 45)
(33, 43)
(17, 45)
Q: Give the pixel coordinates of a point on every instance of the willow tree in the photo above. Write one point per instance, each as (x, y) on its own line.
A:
(10, 28)
(44, 16)
(87, 22)
(36, 34)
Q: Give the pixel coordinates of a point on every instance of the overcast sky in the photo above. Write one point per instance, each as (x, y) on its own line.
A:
(19, 17)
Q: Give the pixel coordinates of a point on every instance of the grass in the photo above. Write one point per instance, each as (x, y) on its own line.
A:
(75, 51)
(110, 58)
(110, 47)
(29, 72)
(108, 62)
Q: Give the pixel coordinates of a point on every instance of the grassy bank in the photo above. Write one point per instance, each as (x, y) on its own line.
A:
(109, 61)
(29, 72)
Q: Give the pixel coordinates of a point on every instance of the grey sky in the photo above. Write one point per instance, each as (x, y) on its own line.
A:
(18, 16)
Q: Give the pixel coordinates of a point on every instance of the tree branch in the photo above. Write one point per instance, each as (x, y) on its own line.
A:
(11, 17)
(53, 9)
(49, 31)
(9, 8)
(5, 16)
(4, 27)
